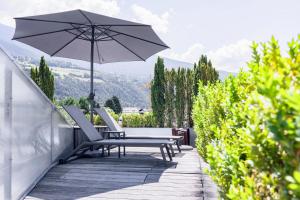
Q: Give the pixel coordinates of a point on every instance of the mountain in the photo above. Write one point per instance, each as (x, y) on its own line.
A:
(127, 80)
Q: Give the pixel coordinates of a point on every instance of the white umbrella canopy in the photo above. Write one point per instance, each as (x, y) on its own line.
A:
(87, 36)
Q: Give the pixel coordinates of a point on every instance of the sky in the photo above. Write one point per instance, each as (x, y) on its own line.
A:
(221, 29)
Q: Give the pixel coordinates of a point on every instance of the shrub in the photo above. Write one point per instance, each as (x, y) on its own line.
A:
(248, 127)
(135, 120)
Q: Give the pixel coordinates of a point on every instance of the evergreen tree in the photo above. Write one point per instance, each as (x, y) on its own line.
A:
(170, 96)
(205, 72)
(189, 96)
(34, 75)
(197, 77)
(158, 92)
(42, 75)
(117, 105)
(180, 97)
(110, 104)
(44, 78)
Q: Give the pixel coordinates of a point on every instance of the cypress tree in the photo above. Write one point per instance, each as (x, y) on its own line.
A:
(189, 96)
(205, 72)
(197, 77)
(180, 97)
(117, 105)
(42, 75)
(170, 96)
(158, 92)
(34, 75)
(44, 78)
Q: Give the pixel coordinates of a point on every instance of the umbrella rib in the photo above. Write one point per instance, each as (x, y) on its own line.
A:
(103, 39)
(85, 17)
(102, 32)
(126, 48)
(139, 38)
(82, 38)
(98, 52)
(54, 21)
(68, 43)
(87, 37)
(38, 34)
(122, 25)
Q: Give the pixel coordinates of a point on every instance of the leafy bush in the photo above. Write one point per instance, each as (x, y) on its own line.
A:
(248, 127)
(99, 121)
(135, 120)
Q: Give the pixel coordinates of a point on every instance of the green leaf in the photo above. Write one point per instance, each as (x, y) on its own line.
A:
(297, 176)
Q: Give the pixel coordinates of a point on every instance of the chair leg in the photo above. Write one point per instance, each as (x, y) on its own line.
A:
(178, 146)
(83, 152)
(168, 152)
(119, 151)
(163, 153)
(124, 152)
(172, 150)
(65, 159)
(103, 151)
(108, 150)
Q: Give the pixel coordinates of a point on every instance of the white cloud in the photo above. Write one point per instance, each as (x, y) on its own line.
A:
(18, 8)
(190, 55)
(160, 23)
(229, 57)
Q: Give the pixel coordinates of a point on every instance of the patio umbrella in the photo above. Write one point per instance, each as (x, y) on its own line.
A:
(90, 37)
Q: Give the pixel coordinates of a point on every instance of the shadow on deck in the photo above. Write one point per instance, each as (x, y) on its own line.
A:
(135, 176)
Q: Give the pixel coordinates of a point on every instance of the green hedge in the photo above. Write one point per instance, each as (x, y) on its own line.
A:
(249, 126)
(135, 120)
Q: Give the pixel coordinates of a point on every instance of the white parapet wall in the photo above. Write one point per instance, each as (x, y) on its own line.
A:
(33, 135)
(148, 131)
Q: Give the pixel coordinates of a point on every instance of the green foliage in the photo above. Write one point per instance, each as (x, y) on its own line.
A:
(172, 92)
(44, 78)
(248, 127)
(109, 104)
(205, 72)
(84, 104)
(114, 104)
(136, 120)
(118, 107)
(99, 121)
(170, 77)
(68, 101)
(180, 97)
(96, 119)
(189, 96)
(158, 92)
(113, 114)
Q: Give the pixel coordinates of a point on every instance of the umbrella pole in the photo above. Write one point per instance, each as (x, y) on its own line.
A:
(92, 95)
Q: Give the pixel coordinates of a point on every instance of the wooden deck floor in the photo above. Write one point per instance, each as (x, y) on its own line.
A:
(136, 176)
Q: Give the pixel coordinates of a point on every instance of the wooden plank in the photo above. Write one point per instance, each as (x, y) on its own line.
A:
(135, 176)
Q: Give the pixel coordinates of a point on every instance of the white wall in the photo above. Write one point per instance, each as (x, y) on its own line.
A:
(148, 131)
(32, 133)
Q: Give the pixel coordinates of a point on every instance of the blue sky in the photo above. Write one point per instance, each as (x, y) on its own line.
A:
(221, 29)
